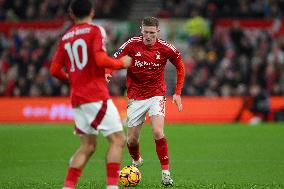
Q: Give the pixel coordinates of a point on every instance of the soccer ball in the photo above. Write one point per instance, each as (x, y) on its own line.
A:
(129, 176)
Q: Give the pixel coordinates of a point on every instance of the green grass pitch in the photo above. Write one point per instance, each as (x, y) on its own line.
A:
(35, 156)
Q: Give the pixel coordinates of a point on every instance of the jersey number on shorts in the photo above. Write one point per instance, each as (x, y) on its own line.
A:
(72, 50)
(162, 106)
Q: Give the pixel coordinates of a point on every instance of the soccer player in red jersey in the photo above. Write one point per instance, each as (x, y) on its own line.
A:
(81, 52)
(146, 89)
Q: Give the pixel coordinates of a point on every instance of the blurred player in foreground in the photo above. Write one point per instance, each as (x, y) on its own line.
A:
(146, 89)
(81, 51)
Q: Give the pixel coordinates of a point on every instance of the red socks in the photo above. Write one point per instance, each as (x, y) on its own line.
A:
(161, 149)
(72, 177)
(112, 172)
(134, 152)
(162, 152)
(74, 174)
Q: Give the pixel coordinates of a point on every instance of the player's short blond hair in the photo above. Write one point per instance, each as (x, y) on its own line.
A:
(150, 21)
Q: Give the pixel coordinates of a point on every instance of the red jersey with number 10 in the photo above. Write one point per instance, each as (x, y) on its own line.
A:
(75, 52)
(145, 76)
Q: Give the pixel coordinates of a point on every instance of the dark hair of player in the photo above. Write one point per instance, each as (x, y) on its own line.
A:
(150, 21)
(81, 8)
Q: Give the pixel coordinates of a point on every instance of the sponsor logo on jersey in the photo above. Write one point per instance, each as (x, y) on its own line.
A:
(138, 54)
(145, 64)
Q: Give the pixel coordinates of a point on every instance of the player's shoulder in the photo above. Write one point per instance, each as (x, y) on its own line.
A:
(166, 45)
(134, 40)
(97, 29)
(96, 26)
(68, 34)
(90, 29)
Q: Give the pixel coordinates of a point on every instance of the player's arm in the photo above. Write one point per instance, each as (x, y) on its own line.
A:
(56, 68)
(100, 55)
(178, 63)
(121, 53)
(180, 76)
(108, 71)
(103, 60)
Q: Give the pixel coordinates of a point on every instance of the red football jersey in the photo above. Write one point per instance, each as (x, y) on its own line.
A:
(75, 52)
(145, 76)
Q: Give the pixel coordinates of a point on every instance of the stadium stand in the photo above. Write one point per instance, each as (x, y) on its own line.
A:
(232, 55)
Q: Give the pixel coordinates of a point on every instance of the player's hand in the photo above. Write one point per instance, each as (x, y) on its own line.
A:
(108, 77)
(177, 101)
(126, 60)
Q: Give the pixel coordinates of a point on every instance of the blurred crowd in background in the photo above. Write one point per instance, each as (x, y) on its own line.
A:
(219, 62)
(223, 8)
(18, 10)
(11, 10)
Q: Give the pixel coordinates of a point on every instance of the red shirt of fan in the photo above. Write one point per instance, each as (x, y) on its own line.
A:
(76, 51)
(145, 76)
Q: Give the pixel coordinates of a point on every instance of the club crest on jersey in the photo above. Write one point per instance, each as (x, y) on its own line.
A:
(138, 54)
(158, 57)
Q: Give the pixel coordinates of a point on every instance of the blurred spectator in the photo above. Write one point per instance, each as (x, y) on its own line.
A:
(212, 9)
(14, 10)
(259, 105)
(197, 28)
(223, 8)
(237, 34)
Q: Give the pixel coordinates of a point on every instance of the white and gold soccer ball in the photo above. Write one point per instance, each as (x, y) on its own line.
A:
(129, 176)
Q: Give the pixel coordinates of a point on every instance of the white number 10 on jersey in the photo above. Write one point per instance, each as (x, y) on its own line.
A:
(72, 50)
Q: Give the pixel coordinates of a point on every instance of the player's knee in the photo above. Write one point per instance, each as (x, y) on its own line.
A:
(119, 140)
(123, 141)
(158, 134)
(132, 141)
(89, 148)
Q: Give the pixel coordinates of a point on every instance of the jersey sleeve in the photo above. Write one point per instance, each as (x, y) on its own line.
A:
(99, 50)
(103, 60)
(100, 39)
(57, 64)
(176, 60)
(108, 71)
(59, 55)
(123, 50)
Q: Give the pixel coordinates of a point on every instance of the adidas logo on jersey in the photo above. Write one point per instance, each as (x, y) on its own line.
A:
(138, 54)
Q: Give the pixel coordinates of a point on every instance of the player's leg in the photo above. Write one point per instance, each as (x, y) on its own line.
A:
(157, 125)
(157, 113)
(136, 113)
(133, 135)
(113, 158)
(79, 160)
(83, 116)
(112, 129)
